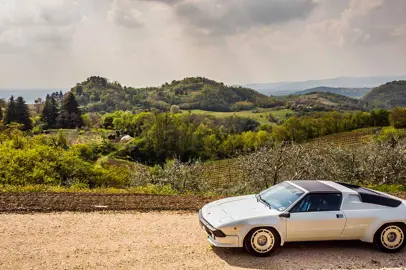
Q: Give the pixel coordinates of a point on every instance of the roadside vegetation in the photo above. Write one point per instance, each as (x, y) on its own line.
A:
(62, 146)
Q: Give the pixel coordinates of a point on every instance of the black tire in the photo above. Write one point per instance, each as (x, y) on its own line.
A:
(255, 236)
(390, 237)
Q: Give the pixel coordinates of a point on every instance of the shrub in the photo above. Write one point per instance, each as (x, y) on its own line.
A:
(398, 117)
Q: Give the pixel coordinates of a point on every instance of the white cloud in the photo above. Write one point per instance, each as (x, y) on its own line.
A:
(56, 43)
(365, 22)
(26, 25)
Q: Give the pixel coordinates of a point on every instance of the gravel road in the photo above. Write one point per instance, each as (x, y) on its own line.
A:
(156, 240)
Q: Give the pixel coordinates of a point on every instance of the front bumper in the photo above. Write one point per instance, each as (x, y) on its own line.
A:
(216, 237)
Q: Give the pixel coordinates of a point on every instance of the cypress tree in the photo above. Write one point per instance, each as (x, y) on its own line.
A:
(1, 113)
(45, 115)
(22, 113)
(50, 112)
(54, 112)
(70, 116)
(10, 115)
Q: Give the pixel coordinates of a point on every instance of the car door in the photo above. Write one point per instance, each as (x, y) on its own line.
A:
(316, 217)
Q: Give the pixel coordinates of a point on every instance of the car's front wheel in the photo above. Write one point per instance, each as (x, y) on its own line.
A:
(262, 241)
(391, 237)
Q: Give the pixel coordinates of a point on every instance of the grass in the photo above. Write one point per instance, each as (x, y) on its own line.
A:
(260, 116)
(81, 136)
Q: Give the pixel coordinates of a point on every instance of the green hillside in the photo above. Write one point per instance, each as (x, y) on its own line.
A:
(98, 94)
(322, 101)
(389, 95)
(349, 92)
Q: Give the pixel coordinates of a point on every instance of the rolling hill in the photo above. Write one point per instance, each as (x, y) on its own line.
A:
(286, 88)
(322, 101)
(349, 92)
(389, 95)
(98, 94)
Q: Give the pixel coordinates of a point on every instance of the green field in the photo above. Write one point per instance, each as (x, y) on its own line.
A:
(261, 116)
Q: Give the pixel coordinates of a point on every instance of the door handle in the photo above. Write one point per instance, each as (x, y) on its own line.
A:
(340, 216)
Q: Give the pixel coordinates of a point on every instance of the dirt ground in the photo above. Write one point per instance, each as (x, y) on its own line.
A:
(87, 202)
(157, 240)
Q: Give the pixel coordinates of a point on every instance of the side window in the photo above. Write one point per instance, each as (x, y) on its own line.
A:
(318, 203)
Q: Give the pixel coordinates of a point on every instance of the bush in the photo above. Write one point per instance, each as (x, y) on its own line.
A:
(242, 106)
(175, 109)
(398, 117)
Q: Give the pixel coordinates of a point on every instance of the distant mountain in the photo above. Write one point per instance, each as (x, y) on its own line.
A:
(285, 88)
(348, 92)
(28, 94)
(389, 95)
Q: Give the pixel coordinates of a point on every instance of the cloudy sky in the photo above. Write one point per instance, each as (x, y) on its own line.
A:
(56, 43)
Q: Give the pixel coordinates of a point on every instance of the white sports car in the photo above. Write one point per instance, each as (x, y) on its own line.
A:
(306, 210)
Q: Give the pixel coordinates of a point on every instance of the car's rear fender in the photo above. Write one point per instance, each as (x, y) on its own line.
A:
(399, 215)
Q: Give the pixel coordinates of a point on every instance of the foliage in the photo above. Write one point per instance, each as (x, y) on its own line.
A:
(349, 92)
(187, 137)
(11, 114)
(50, 112)
(98, 94)
(44, 160)
(299, 129)
(389, 95)
(398, 118)
(70, 115)
(17, 112)
(370, 164)
(175, 109)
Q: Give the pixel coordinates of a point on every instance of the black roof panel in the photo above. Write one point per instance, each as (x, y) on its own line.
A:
(315, 186)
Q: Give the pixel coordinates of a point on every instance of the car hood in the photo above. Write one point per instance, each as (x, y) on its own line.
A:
(224, 211)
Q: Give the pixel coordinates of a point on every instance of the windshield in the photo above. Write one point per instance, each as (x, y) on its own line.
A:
(281, 196)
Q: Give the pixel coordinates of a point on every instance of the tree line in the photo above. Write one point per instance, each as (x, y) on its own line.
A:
(186, 136)
(57, 112)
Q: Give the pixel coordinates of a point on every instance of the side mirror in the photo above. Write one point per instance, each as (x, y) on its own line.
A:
(285, 215)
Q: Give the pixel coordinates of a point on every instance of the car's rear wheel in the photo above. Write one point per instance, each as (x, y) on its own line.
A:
(262, 241)
(391, 237)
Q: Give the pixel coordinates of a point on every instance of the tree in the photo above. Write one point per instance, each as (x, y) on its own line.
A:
(38, 103)
(50, 112)
(380, 117)
(70, 116)
(398, 118)
(10, 115)
(1, 113)
(3, 103)
(22, 114)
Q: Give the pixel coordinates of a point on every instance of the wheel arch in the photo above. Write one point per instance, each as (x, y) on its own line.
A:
(282, 241)
(399, 223)
(369, 234)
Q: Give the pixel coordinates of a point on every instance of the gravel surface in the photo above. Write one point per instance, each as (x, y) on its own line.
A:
(156, 240)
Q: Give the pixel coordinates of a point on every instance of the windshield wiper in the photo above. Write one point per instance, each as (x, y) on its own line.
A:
(259, 198)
